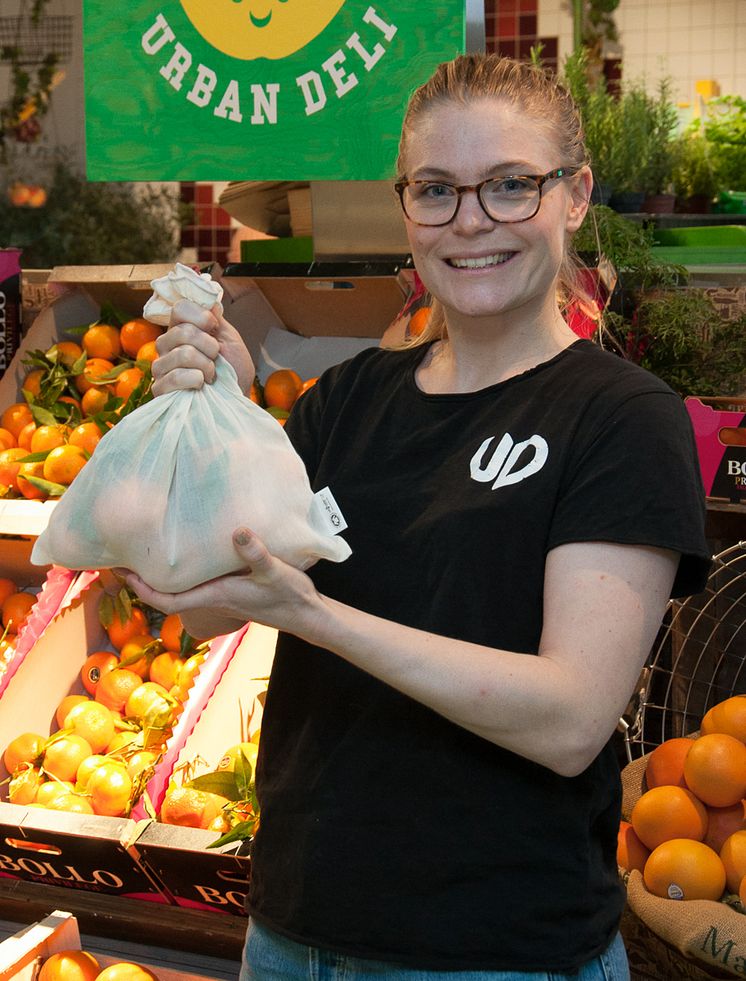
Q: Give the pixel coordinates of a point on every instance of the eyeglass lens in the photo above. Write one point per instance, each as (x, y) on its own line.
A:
(504, 199)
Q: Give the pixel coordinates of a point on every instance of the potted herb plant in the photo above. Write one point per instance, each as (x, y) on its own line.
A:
(695, 179)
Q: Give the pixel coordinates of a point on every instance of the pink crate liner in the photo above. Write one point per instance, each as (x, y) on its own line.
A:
(218, 658)
(60, 589)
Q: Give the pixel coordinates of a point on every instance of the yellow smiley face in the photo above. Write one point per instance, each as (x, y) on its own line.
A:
(260, 28)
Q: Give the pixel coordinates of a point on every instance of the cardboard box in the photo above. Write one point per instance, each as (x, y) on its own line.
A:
(22, 954)
(198, 877)
(720, 433)
(89, 852)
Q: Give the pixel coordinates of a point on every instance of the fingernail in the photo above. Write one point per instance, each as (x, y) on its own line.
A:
(242, 537)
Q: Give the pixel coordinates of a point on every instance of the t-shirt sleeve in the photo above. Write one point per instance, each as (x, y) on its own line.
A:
(634, 479)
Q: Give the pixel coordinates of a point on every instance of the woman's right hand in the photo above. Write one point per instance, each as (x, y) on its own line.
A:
(189, 348)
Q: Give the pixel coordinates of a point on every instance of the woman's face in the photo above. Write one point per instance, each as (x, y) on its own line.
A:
(465, 145)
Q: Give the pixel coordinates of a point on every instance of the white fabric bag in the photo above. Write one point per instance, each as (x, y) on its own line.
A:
(168, 485)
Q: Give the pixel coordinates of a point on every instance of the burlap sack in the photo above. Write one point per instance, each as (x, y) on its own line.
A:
(705, 932)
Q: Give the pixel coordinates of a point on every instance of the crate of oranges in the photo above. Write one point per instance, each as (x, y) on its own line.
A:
(682, 840)
(85, 722)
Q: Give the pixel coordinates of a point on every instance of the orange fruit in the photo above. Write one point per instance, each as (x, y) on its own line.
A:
(73, 802)
(728, 717)
(148, 352)
(7, 588)
(65, 352)
(92, 721)
(66, 704)
(96, 665)
(15, 417)
(86, 768)
(70, 965)
(23, 749)
(135, 333)
(48, 437)
(165, 669)
(190, 808)
(722, 822)
(419, 321)
(115, 687)
(7, 440)
(308, 384)
(135, 648)
(51, 789)
(87, 436)
(93, 371)
(25, 486)
(662, 813)
(742, 891)
(124, 743)
(282, 388)
(684, 869)
(172, 630)
(255, 393)
(126, 971)
(9, 466)
(102, 341)
(120, 631)
(733, 854)
(630, 852)
(32, 382)
(189, 671)
(109, 788)
(127, 382)
(64, 463)
(147, 698)
(94, 400)
(16, 609)
(26, 435)
(139, 762)
(666, 763)
(64, 754)
(24, 785)
(715, 769)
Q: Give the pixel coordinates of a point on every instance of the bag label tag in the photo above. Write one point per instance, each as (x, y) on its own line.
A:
(328, 512)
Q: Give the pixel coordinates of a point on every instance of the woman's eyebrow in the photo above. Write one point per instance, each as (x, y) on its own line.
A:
(507, 168)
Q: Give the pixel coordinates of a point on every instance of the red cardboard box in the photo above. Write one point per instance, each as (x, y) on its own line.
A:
(720, 433)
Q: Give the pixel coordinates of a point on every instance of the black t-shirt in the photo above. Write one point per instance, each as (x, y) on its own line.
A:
(387, 831)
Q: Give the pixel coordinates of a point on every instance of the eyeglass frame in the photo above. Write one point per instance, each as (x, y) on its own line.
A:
(539, 179)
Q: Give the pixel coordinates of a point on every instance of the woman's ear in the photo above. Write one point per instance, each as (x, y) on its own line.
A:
(581, 186)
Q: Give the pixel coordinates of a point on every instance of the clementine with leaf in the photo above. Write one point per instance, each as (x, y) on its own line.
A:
(102, 341)
(63, 464)
(15, 417)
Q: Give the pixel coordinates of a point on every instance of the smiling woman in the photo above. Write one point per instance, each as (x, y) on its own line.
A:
(250, 29)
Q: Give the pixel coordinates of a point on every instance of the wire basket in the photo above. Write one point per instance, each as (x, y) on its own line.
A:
(699, 659)
(36, 41)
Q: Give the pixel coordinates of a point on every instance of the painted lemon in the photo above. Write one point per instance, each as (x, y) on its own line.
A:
(260, 28)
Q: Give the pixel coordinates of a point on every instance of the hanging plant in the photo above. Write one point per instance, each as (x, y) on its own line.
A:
(30, 88)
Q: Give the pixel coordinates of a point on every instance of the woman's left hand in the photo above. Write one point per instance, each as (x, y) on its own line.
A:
(267, 590)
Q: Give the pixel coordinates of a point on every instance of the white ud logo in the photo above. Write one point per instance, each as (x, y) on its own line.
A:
(500, 467)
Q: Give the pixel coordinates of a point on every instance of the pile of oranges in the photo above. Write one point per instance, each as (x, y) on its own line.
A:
(15, 606)
(73, 394)
(280, 392)
(687, 832)
(112, 727)
(80, 965)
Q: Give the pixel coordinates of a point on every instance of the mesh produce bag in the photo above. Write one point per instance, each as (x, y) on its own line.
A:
(168, 485)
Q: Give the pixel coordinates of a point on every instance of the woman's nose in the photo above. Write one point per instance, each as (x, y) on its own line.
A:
(471, 216)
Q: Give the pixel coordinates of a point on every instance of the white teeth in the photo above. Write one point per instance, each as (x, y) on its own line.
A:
(482, 261)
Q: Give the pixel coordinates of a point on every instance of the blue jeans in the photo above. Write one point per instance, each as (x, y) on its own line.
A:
(270, 957)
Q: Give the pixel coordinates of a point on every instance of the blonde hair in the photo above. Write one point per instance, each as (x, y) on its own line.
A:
(536, 93)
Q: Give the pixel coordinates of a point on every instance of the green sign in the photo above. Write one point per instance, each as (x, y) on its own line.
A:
(256, 89)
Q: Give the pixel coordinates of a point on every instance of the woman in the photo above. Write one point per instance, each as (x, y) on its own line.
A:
(439, 794)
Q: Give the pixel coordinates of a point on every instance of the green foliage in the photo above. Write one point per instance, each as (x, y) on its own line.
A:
(724, 128)
(85, 223)
(628, 245)
(682, 338)
(695, 167)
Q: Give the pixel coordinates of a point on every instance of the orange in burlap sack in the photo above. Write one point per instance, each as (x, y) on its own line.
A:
(705, 939)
